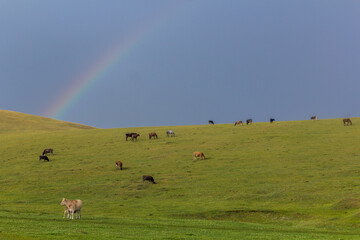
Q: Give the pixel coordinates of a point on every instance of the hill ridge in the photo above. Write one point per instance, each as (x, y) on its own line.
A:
(17, 121)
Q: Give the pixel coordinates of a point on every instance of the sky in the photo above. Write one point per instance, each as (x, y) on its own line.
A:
(132, 63)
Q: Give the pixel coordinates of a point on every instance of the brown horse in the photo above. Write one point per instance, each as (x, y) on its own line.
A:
(152, 135)
(48, 150)
(238, 123)
(134, 136)
(198, 154)
(347, 121)
(119, 164)
(314, 118)
(249, 121)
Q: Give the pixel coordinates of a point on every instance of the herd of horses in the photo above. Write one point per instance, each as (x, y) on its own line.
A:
(346, 121)
(74, 206)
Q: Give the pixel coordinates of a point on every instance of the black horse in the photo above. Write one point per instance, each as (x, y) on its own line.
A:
(148, 178)
(211, 122)
(249, 121)
(272, 120)
(43, 157)
(132, 136)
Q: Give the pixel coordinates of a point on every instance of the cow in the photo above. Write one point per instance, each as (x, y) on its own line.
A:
(238, 123)
(249, 121)
(211, 122)
(272, 120)
(198, 154)
(314, 118)
(148, 178)
(170, 133)
(347, 121)
(152, 135)
(43, 157)
(72, 206)
(48, 150)
(119, 164)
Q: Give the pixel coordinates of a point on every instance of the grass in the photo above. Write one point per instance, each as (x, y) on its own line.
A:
(286, 180)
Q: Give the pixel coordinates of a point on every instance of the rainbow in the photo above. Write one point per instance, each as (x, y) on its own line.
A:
(91, 76)
(98, 70)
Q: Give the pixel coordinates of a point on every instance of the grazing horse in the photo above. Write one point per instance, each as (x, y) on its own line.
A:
(43, 157)
(314, 118)
(134, 136)
(152, 135)
(128, 135)
(170, 133)
(119, 164)
(272, 120)
(249, 121)
(211, 122)
(198, 154)
(148, 178)
(347, 121)
(48, 150)
(238, 123)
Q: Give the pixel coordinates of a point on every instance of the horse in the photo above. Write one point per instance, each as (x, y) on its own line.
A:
(128, 135)
(238, 123)
(272, 120)
(119, 164)
(211, 122)
(198, 154)
(134, 136)
(43, 157)
(148, 178)
(170, 133)
(249, 121)
(48, 150)
(153, 135)
(314, 118)
(347, 121)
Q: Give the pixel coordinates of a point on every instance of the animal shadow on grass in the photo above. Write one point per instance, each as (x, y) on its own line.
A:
(123, 169)
(200, 160)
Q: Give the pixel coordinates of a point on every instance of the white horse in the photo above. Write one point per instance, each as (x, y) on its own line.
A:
(170, 133)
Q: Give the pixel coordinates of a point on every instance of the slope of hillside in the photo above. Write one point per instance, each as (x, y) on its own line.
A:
(286, 180)
(14, 121)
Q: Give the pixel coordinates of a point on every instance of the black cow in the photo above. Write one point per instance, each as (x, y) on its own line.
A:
(43, 157)
(148, 178)
(272, 120)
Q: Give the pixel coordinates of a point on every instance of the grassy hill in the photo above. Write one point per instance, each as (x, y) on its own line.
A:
(14, 121)
(286, 180)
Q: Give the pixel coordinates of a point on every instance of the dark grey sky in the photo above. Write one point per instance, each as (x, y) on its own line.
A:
(220, 60)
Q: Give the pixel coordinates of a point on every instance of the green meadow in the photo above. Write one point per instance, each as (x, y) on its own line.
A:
(286, 180)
